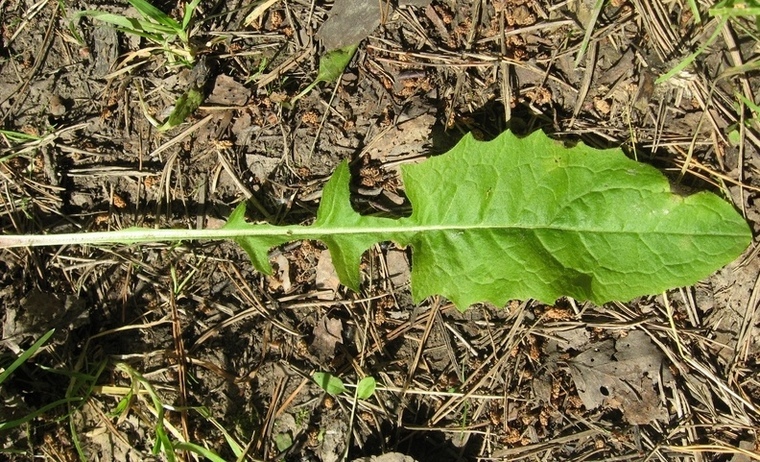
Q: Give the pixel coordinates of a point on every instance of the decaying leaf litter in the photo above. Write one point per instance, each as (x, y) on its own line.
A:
(489, 382)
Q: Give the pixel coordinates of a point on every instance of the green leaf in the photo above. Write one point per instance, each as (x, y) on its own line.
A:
(329, 383)
(19, 136)
(519, 218)
(283, 441)
(123, 405)
(331, 66)
(185, 105)
(747, 102)
(115, 19)
(734, 137)
(333, 63)
(366, 388)
(513, 218)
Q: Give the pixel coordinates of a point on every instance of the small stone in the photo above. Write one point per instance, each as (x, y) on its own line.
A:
(57, 106)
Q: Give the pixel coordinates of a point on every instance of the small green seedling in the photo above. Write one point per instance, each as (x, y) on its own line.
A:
(170, 35)
(694, 10)
(334, 385)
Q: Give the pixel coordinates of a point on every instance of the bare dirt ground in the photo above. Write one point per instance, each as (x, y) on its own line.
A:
(228, 353)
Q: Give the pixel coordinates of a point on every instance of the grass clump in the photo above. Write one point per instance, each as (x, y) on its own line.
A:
(169, 35)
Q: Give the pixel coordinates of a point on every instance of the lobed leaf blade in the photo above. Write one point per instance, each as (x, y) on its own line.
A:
(257, 247)
(519, 218)
(554, 221)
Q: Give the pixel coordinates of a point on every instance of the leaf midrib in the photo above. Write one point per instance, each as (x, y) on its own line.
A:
(296, 232)
(391, 230)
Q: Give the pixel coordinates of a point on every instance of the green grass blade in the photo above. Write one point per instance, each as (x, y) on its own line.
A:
(752, 106)
(231, 442)
(589, 30)
(33, 415)
(690, 59)
(695, 11)
(745, 9)
(189, 11)
(154, 32)
(26, 355)
(110, 18)
(150, 11)
(19, 136)
(200, 450)
(163, 441)
(749, 66)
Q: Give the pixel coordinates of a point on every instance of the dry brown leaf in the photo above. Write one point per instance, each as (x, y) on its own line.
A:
(228, 92)
(399, 270)
(327, 277)
(349, 22)
(387, 457)
(327, 333)
(621, 374)
(258, 12)
(408, 135)
(281, 278)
